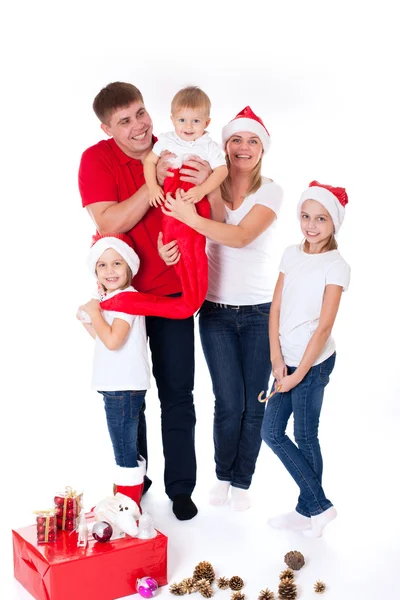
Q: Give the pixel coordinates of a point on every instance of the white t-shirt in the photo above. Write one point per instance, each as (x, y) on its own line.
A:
(246, 276)
(204, 147)
(306, 276)
(126, 368)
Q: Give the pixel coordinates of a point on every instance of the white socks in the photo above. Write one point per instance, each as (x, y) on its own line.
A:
(293, 520)
(240, 499)
(319, 522)
(219, 492)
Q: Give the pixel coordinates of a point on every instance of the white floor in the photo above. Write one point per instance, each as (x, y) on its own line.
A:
(356, 557)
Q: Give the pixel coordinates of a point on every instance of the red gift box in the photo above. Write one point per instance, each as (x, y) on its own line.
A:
(101, 571)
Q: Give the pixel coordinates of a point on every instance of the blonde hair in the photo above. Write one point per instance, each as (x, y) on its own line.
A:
(191, 97)
(254, 185)
(331, 244)
(128, 281)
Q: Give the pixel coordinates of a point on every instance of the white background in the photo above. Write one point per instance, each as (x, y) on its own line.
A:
(324, 78)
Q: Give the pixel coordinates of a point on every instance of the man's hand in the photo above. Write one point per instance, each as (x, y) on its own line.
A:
(168, 252)
(193, 195)
(156, 196)
(91, 308)
(180, 210)
(163, 166)
(202, 172)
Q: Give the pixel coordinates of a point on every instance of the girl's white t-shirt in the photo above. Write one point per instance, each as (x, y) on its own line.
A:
(126, 368)
(246, 276)
(306, 276)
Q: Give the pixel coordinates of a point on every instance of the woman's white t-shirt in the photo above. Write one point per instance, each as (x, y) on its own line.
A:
(246, 276)
(126, 368)
(306, 276)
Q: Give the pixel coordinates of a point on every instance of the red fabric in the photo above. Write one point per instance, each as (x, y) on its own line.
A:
(107, 174)
(192, 268)
(247, 113)
(62, 571)
(339, 192)
(135, 492)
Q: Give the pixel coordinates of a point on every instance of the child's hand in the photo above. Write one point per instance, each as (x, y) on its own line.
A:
(91, 308)
(83, 316)
(193, 195)
(288, 382)
(279, 369)
(156, 196)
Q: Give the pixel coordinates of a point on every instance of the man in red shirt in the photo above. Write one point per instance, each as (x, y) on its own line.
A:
(113, 191)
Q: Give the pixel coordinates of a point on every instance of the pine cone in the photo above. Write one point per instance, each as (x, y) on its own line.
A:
(204, 588)
(238, 596)
(287, 574)
(223, 583)
(204, 570)
(266, 595)
(236, 582)
(189, 585)
(294, 560)
(319, 587)
(287, 590)
(177, 589)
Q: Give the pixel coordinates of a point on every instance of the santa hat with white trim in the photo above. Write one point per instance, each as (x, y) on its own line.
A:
(247, 120)
(120, 242)
(334, 199)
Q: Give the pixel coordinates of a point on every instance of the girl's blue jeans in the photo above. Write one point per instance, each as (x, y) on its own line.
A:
(122, 413)
(302, 459)
(236, 347)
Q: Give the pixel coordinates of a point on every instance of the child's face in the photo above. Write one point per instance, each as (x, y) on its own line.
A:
(190, 123)
(112, 270)
(316, 223)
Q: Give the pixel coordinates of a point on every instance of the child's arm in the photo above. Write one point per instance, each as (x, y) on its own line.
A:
(330, 306)
(279, 369)
(112, 336)
(211, 183)
(156, 195)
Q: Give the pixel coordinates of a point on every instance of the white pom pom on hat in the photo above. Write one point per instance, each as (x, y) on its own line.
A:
(120, 242)
(247, 120)
(334, 199)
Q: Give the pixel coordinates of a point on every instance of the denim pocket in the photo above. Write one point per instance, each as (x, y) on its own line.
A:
(263, 309)
(326, 368)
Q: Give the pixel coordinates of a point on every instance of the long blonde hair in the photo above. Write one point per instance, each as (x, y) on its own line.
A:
(254, 185)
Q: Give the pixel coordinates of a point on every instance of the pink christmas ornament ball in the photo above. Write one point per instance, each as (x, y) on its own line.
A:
(147, 587)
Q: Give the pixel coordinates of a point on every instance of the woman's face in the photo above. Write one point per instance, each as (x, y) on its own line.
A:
(244, 150)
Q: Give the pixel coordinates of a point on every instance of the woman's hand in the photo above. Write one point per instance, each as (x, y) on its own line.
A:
(279, 369)
(288, 382)
(168, 252)
(180, 210)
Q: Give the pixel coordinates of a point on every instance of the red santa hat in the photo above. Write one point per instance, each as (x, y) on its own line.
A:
(334, 199)
(247, 120)
(120, 242)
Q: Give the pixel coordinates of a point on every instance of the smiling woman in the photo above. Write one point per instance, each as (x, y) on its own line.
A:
(234, 318)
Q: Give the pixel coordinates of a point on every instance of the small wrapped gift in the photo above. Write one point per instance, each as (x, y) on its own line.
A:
(67, 507)
(46, 529)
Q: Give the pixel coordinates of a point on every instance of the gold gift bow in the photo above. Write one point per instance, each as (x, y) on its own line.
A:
(70, 493)
(47, 513)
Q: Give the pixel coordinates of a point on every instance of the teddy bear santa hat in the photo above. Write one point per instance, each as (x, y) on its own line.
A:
(334, 199)
(247, 120)
(120, 242)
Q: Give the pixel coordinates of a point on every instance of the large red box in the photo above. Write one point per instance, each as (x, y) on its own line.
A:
(101, 571)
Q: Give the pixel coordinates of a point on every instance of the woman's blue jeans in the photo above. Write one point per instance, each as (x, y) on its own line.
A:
(122, 413)
(236, 347)
(304, 460)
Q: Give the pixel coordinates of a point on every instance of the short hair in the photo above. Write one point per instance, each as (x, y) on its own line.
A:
(114, 96)
(191, 97)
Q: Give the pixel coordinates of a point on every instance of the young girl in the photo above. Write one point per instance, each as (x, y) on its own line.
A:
(305, 303)
(120, 369)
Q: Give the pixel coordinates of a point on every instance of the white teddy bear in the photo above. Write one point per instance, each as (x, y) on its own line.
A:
(121, 512)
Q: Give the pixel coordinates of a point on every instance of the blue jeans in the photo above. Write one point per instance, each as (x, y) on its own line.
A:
(304, 460)
(172, 351)
(122, 413)
(236, 347)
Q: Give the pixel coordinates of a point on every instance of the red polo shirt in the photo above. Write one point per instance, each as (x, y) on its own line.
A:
(107, 174)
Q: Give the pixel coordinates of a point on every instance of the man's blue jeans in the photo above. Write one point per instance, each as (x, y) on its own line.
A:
(236, 347)
(304, 460)
(122, 413)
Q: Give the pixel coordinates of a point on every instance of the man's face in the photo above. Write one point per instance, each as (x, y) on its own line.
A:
(131, 128)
